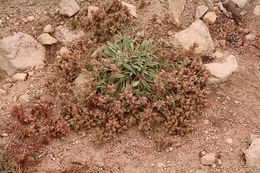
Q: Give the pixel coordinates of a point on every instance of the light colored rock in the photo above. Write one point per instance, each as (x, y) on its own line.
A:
(7, 86)
(69, 7)
(229, 140)
(176, 8)
(64, 35)
(19, 52)
(40, 66)
(208, 159)
(252, 155)
(91, 10)
(240, 3)
(131, 8)
(19, 77)
(5, 32)
(220, 72)
(46, 39)
(64, 51)
(4, 135)
(251, 138)
(30, 18)
(210, 18)
(197, 33)
(161, 165)
(2, 92)
(257, 10)
(200, 11)
(48, 29)
(250, 37)
(25, 98)
(81, 79)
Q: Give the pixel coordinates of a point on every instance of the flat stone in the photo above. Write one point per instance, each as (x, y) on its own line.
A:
(208, 159)
(20, 52)
(25, 98)
(19, 77)
(197, 33)
(5, 32)
(131, 8)
(69, 7)
(40, 66)
(2, 92)
(220, 72)
(229, 140)
(64, 35)
(250, 37)
(48, 29)
(257, 10)
(210, 18)
(176, 7)
(240, 3)
(252, 155)
(46, 39)
(200, 11)
(64, 51)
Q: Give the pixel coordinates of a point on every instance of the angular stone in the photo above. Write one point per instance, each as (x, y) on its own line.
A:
(64, 35)
(210, 18)
(257, 10)
(19, 77)
(48, 29)
(240, 3)
(209, 159)
(64, 51)
(91, 10)
(69, 7)
(197, 33)
(220, 72)
(131, 8)
(19, 52)
(25, 98)
(2, 92)
(46, 39)
(176, 7)
(200, 11)
(252, 155)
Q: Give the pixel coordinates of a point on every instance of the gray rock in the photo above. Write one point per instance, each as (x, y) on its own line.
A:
(176, 7)
(252, 155)
(209, 159)
(19, 52)
(257, 10)
(69, 7)
(46, 39)
(240, 3)
(25, 98)
(64, 35)
(197, 33)
(220, 72)
(81, 79)
(200, 11)
(5, 32)
(20, 77)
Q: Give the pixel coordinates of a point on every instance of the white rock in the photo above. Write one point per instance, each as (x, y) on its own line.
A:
(25, 98)
(19, 52)
(48, 29)
(257, 10)
(64, 51)
(222, 71)
(250, 36)
(200, 11)
(208, 159)
(30, 18)
(197, 33)
(131, 8)
(252, 155)
(2, 92)
(4, 135)
(69, 7)
(40, 66)
(46, 39)
(91, 10)
(20, 77)
(64, 35)
(240, 3)
(176, 8)
(210, 18)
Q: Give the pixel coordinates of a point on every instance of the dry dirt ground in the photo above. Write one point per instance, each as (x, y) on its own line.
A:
(233, 107)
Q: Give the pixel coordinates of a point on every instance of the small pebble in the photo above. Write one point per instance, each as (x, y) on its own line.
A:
(4, 134)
